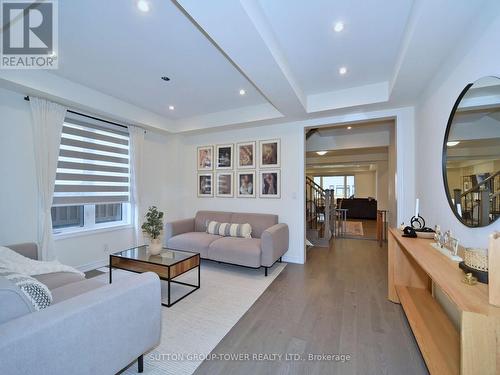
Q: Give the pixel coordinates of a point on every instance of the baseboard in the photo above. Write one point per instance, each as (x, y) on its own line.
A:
(291, 259)
(93, 265)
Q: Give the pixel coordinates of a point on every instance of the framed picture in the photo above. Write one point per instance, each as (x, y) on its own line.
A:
(224, 184)
(246, 155)
(270, 182)
(245, 184)
(205, 185)
(205, 158)
(224, 155)
(270, 153)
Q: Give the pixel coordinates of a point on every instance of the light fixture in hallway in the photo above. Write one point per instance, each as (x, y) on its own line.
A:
(452, 143)
(339, 26)
(342, 70)
(321, 153)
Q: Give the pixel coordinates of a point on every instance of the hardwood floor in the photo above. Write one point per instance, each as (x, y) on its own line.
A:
(335, 304)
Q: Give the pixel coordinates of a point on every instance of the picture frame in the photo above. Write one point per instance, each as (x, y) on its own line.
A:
(224, 184)
(205, 185)
(247, 154)
(246, 184)
(205, 158)
(270, 183)
(270, 153)
(225, 156)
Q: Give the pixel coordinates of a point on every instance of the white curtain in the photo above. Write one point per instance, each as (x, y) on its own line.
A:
(136, 181)
(48, 119)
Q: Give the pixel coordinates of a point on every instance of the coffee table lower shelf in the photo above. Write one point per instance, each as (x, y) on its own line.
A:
(165, 273)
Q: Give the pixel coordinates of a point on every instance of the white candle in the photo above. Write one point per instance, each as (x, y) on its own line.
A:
(416, 207)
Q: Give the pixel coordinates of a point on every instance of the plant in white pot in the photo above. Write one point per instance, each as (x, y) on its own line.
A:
(153, 227)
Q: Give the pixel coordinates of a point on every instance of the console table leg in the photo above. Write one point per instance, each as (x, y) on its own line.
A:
(478, 344)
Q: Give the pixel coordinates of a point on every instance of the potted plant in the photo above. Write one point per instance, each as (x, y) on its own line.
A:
(153, 227)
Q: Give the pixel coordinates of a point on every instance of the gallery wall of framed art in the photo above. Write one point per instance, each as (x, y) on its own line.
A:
(247, 169)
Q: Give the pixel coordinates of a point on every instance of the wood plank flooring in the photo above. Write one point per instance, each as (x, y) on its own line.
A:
(335, 304)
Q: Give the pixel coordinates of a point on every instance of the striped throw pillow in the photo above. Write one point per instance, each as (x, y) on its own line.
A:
(229, 230)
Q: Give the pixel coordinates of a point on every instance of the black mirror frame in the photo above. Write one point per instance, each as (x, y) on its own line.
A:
(445, 154)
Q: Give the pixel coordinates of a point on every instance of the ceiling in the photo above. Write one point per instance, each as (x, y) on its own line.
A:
(315, 52)
(284, 54)
(128, 59)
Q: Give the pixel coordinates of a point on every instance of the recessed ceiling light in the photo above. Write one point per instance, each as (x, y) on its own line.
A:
(452, 143)
(342, 70)
(321, 153)
(349, 127)
(242, 92)
(143, 5)
(339, 26)
(171, 107)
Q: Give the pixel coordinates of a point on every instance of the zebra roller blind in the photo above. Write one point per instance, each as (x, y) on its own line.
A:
(93, 165)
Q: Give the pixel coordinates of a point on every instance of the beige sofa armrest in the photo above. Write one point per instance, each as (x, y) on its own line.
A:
(177, 227)
(274, 243)
(28, 249)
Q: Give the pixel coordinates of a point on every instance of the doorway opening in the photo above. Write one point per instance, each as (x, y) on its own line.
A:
(350, 173)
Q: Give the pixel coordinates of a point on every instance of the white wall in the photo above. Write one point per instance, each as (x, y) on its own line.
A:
(18, 215)
(476, 57)
(366, 185)
(382, 185)
(376, 135)
(292, 146)
(18, 221)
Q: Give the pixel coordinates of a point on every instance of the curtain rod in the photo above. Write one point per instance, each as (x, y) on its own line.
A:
(27, 98)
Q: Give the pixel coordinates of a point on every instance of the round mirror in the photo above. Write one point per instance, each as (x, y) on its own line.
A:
(471, 154)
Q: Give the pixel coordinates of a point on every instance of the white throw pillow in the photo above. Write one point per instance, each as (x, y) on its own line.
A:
(229, 230)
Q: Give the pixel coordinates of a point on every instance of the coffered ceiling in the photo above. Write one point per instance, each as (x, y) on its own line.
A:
(284, 54)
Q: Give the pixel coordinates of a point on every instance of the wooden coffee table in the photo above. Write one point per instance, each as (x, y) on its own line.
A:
(168, 265)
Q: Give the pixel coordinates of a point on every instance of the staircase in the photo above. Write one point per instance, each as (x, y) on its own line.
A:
(315, 211)
(479, 205)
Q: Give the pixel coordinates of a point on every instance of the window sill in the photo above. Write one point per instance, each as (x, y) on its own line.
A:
(88, 232)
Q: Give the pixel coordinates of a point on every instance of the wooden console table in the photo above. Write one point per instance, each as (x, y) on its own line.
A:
(473, 349)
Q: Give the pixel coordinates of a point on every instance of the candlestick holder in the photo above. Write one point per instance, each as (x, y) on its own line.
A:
(417, 222)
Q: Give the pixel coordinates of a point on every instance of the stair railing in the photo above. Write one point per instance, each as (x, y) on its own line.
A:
(315, 206)
(480, 201)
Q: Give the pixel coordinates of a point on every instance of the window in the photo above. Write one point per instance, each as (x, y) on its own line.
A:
(92, 181)
(343, 186)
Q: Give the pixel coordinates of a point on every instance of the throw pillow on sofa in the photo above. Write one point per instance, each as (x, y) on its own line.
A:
(229, 230)
(36, 292)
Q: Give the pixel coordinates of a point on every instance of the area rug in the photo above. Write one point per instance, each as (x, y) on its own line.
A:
(354, 228)
(192, 328)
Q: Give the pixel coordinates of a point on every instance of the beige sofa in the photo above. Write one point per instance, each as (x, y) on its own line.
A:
(268, 243)
(91, 327)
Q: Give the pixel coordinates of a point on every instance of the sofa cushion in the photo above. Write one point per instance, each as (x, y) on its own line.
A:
(57, 279)
(193, 241)
(259, 222)
(230, 230)
(75, 289)
(13, 301)
(242, 251)
(203, 217)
